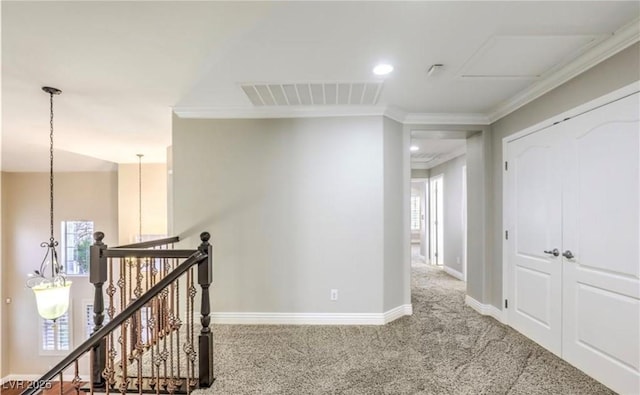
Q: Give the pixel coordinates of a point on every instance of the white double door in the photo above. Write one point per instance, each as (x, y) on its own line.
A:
(572, 209)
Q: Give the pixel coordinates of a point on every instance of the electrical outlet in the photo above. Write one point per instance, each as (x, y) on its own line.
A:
(334, 294)
(457, 259)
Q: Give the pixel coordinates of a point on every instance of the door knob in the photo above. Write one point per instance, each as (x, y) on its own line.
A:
(554, 252)
(567, 254)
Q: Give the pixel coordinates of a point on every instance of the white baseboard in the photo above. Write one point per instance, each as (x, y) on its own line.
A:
(397, 312)
(453, 273)
(312, 318)
(484, 309)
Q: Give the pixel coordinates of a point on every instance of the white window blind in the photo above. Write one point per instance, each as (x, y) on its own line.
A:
(56, 336)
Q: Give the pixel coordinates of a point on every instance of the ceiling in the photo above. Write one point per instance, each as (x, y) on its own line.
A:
(432, 152)
(123, 66)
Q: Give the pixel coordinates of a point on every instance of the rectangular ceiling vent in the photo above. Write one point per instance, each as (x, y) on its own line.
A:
(313, 93)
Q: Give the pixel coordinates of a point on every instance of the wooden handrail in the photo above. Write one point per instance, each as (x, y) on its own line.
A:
(145, 253)
(151, 243)
(92, 342)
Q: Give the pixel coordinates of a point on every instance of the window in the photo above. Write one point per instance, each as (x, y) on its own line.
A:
(55, 336)
(415, 213)
(76, 240)
(88, 318)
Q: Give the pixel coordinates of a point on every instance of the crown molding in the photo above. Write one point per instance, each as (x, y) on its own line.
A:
(619, 40)
(267, 112)
(446, 119)
(270, 112)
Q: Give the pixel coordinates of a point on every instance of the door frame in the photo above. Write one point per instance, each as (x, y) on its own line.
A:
(506, 219)
(464, 223)
(433, 230)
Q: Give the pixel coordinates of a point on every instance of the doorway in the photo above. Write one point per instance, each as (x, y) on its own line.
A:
(419, 223)
(439, 158)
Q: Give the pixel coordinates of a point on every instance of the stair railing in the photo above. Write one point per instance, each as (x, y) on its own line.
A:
(149, 281)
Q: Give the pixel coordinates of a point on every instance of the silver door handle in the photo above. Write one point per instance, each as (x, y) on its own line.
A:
(568, 254)
(554, 252)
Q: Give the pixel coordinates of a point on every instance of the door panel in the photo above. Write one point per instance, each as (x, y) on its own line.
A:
(534, 201)
(601, 217)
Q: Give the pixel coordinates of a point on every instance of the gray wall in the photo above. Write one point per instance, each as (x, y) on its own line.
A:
(452, 194)
(395, 210)
(419, 173)
(479, 219)
(295, 207)
(614, 73)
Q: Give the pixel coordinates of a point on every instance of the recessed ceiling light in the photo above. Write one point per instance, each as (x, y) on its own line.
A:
(382, 69)
(414, 148)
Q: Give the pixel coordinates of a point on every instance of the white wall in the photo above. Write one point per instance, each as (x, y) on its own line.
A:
(453, 229)
(396, 207)
(614, 73)
(25, 224)
(295, 208)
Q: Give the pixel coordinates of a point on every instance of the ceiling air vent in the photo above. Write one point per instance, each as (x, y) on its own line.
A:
(313, 93)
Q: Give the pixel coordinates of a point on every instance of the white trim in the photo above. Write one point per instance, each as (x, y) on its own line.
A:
(588, 106)
(267, 112)
(484, 309)
(453, 272)
(397, 312)
(621, 39)
(323, 111)
(242, 318)
(446, 119)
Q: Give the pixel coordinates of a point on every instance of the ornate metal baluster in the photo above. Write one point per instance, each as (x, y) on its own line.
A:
(61, 384)
(92, 359)
(138, 350)
(190, 354)
(153, 324)
(77, 381)
(109, 372)
(176, 330)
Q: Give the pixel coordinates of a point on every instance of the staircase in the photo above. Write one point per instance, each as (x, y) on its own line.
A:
(146, 338)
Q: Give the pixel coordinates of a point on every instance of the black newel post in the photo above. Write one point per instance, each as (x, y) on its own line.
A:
(97, 277)
(205, 340)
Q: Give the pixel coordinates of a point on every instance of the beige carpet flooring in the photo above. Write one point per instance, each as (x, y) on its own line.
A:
(444, 348)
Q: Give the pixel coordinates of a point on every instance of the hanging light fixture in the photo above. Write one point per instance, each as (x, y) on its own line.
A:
(139, 197)
(52, 293)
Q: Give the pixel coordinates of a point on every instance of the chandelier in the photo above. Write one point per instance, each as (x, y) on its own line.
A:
(52, 293)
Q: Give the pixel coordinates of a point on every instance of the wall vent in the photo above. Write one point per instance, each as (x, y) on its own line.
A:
(313, 93)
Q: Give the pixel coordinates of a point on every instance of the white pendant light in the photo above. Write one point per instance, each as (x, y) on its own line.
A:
(52, 293)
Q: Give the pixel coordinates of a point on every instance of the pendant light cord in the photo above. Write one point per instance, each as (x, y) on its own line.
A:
(51, 239)
(140, 197)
